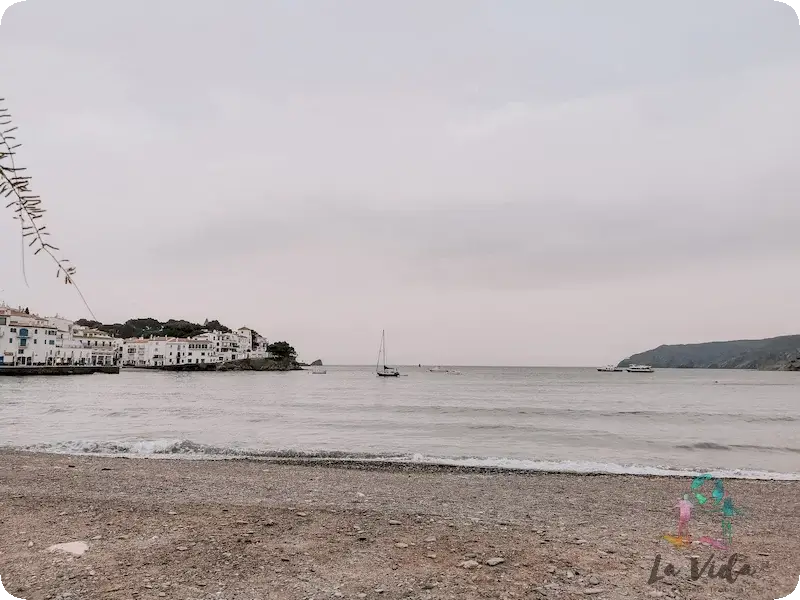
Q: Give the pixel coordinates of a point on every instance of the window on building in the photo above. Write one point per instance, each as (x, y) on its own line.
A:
(13, 330)
(3, 320)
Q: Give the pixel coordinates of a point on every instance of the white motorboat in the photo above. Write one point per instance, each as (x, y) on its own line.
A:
(640, 369)
(443, 370)
(610, 369)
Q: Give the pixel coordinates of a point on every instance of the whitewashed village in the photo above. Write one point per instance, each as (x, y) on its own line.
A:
(27, 339)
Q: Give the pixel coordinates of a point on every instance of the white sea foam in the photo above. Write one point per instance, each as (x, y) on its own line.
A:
(189, 450)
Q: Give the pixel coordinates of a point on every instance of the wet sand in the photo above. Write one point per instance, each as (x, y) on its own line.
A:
(252, 529)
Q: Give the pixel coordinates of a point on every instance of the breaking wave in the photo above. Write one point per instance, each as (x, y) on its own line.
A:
(189, 450)
(713, 446)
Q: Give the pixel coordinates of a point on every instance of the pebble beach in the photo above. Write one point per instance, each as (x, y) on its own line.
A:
(252, 529)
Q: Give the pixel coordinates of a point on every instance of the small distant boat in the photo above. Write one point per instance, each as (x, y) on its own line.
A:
(610, 369)
(380, 368)
(640, 369)
(443, 370)
(318, 370)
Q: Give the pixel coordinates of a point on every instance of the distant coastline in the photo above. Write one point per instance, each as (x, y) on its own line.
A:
(769, 354)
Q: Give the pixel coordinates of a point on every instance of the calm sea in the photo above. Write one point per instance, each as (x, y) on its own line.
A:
(735, 423)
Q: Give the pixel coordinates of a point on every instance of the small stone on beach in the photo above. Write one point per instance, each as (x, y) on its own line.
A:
(469, 564)
(493, 562)
(74, 548)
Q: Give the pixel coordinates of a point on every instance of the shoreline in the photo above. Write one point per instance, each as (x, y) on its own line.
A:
(245, 529)
(401, 463)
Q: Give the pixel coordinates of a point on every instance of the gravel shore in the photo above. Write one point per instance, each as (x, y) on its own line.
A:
(253, 530)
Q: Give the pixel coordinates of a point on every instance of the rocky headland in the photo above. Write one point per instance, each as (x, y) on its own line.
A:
(771, 354)
(260, 364)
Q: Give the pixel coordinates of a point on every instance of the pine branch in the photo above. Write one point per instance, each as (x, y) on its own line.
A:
(27, 206)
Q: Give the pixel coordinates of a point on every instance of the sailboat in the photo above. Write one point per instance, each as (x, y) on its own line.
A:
(380, 368)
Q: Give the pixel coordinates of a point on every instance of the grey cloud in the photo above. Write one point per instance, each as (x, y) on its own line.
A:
(440, 156)
(526, 246)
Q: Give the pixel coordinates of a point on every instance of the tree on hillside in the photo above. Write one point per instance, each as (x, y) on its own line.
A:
(216, 326)
(282, 351)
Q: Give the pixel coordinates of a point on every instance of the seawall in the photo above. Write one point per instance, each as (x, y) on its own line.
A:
(20, 371)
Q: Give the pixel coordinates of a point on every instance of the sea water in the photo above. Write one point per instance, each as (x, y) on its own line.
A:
(731, 423)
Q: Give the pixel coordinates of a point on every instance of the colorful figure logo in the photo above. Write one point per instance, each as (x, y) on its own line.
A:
(719, 503)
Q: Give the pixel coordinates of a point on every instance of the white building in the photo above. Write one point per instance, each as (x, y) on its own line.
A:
(105, 349)
(226, 346)
(260, 347)
(162, 351)
(236, 345)
(252, 344)
(28, 339)
(245, 335)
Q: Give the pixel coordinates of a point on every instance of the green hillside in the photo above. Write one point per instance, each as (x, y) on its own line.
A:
(149, 327)
(772, 354)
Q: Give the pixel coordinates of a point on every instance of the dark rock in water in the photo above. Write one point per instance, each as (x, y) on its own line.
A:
(316, 363)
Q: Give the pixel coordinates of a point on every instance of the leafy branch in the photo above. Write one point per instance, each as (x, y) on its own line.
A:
(14, 185)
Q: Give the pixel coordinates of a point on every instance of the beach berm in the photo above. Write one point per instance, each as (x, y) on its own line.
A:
(246, 529)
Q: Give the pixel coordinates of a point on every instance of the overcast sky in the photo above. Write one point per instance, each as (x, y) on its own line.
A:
(494, 182)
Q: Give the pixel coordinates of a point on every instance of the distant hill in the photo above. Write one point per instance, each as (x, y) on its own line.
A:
(772, 354)
(149, 327)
